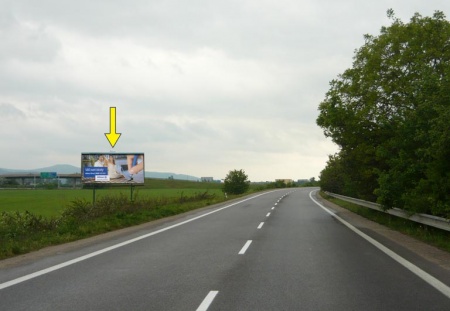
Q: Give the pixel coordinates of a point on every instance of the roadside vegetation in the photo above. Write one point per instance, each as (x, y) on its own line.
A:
(22, 232)
(236, 182)
(33, 219)
(389, 114)
(51, 203)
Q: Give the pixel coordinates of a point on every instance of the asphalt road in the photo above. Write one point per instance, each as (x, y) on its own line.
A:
(273, 251)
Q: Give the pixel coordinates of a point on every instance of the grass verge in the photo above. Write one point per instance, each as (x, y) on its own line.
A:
(23, 232)
(433, 236)
(51, 203)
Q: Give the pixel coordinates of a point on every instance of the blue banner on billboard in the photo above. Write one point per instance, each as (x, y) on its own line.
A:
(92, 171)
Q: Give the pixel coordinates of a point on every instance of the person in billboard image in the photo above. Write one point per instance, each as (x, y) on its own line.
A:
(102, 161)
(135, 168)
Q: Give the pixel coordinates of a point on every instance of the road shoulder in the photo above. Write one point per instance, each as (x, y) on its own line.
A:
(428, 257)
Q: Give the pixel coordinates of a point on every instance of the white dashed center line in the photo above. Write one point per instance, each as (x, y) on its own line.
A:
(244, 249)
(260, 225)
(207, 301)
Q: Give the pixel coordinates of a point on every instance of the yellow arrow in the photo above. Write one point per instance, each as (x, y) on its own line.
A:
(112, 136)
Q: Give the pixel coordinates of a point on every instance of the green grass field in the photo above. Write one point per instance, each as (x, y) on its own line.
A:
(51, 202)
(32, 219)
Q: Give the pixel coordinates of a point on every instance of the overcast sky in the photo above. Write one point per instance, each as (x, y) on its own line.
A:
(201, 87)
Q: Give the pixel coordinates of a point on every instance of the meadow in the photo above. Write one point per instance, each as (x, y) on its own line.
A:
(50, 203)
(31, 219)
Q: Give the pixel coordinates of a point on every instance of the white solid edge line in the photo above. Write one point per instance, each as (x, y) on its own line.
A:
(244, 249)
(207, 301)
(260, 225)
(107, 249)
(443, 288)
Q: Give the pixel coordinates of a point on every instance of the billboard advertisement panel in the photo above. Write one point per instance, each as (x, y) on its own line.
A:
(112, 168)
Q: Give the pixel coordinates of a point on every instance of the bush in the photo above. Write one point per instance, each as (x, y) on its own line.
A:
(236, 182)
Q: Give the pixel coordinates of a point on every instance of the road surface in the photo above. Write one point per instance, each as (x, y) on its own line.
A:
(277, 250)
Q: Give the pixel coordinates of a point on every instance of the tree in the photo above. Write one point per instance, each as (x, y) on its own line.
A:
(332, 176)
(236, 182)
(389, 115)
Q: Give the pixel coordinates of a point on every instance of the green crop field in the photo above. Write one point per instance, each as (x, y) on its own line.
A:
(51, 202)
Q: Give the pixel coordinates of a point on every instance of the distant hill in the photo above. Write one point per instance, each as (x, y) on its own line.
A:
(60, 169)
(70, 169)
(167, 175)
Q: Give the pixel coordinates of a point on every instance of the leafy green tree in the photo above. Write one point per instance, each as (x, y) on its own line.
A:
(389, 114)
(332, 176)
(236, 182)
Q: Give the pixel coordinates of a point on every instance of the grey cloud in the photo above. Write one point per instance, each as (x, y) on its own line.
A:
(241, 28)
(25, 40)
(8, 111)
(247, 29)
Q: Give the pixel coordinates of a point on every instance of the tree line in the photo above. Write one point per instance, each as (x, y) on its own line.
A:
(390, 116)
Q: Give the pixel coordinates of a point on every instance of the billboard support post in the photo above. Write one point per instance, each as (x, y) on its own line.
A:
(93, 194)
(112, 168)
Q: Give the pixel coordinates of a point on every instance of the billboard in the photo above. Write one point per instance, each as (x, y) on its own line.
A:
(112, 168)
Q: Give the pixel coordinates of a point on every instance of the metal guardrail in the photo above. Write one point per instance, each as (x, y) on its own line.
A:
(429, 220)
